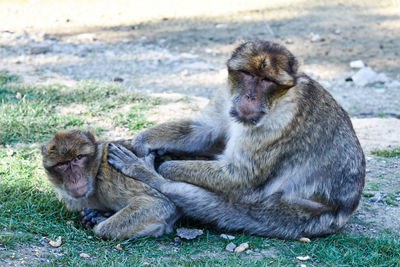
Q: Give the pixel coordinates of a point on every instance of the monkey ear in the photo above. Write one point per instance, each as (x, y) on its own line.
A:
(287, 75)
(90, 135)
(43, 148)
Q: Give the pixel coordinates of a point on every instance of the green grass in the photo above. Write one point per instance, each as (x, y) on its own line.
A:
(32, 114)
(387, 153)
(30, 212)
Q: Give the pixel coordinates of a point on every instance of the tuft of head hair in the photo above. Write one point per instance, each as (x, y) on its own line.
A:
(66, 145)
(265, 59)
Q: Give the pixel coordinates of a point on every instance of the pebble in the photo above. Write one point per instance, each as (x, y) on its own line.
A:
(304, 239)
(230, 247)
(38, 50)
(225, 236)
(242, 247)
(188, 233)
(303, 258)
(357, 64)
(376, 198)
(84, 255)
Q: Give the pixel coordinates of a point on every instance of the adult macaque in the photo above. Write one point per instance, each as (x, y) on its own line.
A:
(291, 164)
(114, 205)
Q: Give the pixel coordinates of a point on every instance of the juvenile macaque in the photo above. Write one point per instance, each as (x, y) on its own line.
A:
(114, 205)
(291, 164)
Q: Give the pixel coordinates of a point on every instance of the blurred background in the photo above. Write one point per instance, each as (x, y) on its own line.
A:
(117, 67)
(351, 47)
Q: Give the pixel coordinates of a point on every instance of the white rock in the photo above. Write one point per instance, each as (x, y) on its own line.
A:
(57, 243)
(364, 76)
(225, 236)
(188, 55)
(304, 239)
(315, 37)
(84, 255)
(188, 233)
(242, 247)
(303, 258)
(393, 84)
(230, 247)
(357, 64)
(220, 26)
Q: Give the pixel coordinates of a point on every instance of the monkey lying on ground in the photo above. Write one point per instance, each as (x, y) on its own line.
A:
(77, 167)
(291, 164)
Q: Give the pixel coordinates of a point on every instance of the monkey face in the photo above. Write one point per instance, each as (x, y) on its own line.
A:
(259, 73)
(67, 159)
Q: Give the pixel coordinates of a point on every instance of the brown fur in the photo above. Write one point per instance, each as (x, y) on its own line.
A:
(287, 162)
(140, 210)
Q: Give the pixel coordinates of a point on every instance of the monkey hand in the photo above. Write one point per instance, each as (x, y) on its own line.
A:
(143, 147)
(90, 218)
(129, 164)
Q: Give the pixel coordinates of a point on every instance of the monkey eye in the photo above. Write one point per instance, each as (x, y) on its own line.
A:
(62, 165)
(79, 157)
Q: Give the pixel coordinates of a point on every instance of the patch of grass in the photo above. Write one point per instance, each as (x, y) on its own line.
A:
(31, 114)
(372, 186)
(391, 199)
(387, 153)
(6, 77)
(29, 211)
(134, 119)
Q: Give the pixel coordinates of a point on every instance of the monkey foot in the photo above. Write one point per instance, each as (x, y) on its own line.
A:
(90, 218)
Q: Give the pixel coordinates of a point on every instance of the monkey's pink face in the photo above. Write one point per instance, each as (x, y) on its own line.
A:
(251, 103)
(73, 174)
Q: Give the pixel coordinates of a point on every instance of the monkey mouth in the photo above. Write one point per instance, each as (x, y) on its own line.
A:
(78, 191)
(251, 119)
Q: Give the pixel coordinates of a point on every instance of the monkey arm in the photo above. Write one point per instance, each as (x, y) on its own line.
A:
(216, 176)
(184, 136)
(203, 134)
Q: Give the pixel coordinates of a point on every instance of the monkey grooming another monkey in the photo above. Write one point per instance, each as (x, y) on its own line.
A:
(291, 165)
(76, 164)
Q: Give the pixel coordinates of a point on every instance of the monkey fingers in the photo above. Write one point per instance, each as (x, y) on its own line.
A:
(90, 218)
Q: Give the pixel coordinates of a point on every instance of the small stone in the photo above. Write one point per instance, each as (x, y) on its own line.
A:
(38, 50)
(315, 37)
(9, 152)
(230, 247)
(289, 41)
(84, 255)
(256, 250)
(337, 31)
(118, 247)
(364, 76)
(57, 243)
(221, 26)
(188, 233)
(118, 79)
(376, 198)
(303, 265)
(242, 247)
(303, 258)
(357, 64)
(225, 236)
(18, 95)
(71, 223)
(304, 239)
(177, 240)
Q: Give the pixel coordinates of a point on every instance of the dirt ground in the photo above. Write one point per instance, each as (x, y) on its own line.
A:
(182, 47)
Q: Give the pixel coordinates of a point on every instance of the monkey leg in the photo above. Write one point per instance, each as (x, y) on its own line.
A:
(144, 216)
(273, 216)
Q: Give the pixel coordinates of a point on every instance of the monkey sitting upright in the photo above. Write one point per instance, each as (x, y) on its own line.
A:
(76, 164)
(291, 164)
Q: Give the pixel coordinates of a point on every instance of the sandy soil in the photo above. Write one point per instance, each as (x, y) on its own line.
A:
(182, 48)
